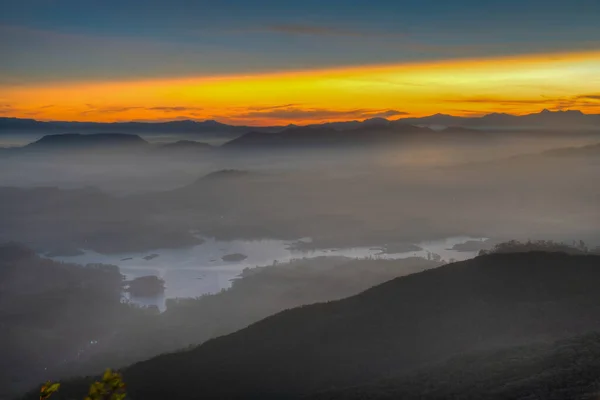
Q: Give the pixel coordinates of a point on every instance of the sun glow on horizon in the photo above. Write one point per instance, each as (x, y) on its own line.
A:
(516, 85)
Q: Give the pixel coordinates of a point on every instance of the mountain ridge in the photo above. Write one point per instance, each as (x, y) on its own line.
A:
(544, 118)
(361, 135)
(488, 303)
(78, 140)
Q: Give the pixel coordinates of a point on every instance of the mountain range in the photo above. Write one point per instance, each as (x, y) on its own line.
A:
(363, 134)
(543, 119)
(209, 127)
(126, 143)
(77, 140)
(292, 138)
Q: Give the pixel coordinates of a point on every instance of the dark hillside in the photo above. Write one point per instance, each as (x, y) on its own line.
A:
(566, 369)
(491, 302)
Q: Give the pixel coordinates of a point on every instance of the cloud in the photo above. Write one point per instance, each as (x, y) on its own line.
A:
(552, 102)
(470, 113)
(168, 119)
(495, 100)
(595, 97)
(589, 102)
(314, 114)
(174, 109)
(9, 110)
(92, 109)
(107, 110)
(263, 108)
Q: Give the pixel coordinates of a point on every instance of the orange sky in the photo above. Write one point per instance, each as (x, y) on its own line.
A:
(516, 85)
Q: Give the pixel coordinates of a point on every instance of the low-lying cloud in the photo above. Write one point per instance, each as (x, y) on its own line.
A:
(555, 103)
(595, 97)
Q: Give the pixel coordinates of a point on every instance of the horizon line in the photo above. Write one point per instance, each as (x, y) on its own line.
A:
(293, 124)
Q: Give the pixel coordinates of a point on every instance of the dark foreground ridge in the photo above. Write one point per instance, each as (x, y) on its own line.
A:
(411, 327)
(565, 369)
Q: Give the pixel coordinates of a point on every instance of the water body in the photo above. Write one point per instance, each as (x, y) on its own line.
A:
(199, 270)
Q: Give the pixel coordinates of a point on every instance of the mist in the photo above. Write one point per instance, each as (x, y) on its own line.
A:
(322, 222)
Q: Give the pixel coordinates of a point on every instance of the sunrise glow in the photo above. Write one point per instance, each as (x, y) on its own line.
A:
(515, 85)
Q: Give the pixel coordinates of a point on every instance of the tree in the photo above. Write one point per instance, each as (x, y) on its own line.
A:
(110, 387)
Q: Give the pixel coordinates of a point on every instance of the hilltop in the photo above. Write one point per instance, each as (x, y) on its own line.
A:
(543, 119)
(565, 369)
(325, 135)
(69, 141)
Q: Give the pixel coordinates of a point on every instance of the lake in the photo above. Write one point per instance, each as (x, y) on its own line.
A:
(200, 269)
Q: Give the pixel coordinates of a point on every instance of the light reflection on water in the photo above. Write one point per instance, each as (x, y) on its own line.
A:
(198, 270)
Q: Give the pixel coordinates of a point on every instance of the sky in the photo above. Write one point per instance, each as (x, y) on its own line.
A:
(266, 62)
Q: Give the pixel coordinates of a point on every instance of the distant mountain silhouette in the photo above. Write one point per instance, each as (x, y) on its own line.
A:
(489, 303)
(7, 123)
(290, 136)
(543, 119)
(439, 120)
(15, 125)
(344, 125)
(370, 132)
(91, 141)
(326, 135)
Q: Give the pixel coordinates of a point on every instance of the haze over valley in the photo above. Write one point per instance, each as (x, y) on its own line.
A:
(299, 200)
(200, 218)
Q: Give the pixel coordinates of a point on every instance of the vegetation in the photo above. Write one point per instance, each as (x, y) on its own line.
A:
(110, 387)
(146, 286)
(413, 327)
(566, 369)
(55, 314)
(261, 292)
(514, 246)
(235, 257)
(59, 320)
(47, 389)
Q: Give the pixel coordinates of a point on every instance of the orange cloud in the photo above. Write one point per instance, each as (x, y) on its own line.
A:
(509, 84)
(282, 115)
